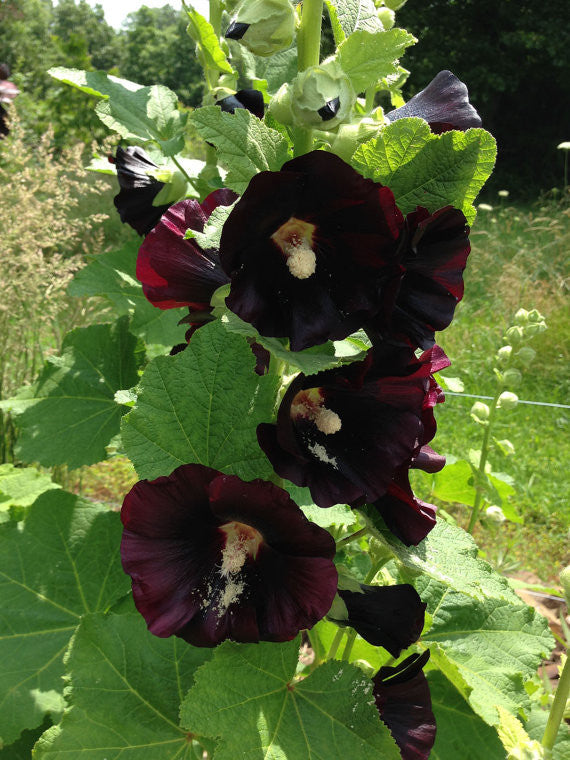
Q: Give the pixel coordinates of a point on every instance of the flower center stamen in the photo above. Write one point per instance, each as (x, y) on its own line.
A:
(309, 404)
(295, 240)
(241, 541)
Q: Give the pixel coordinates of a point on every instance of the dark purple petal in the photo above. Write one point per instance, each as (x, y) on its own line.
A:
(212, 557)
(252, 100)
(404, 703)
(138, 190)
(387, 616)
(306, 248)
(177, 272)
(444, 103)
(409, 518)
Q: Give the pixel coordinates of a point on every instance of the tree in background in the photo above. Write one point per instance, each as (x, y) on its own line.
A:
(513, 55)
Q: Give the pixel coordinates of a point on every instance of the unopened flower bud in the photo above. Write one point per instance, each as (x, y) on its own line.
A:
(495, 514)
(504, 354)
(515, 334)
(507, 400)
(535, 328)
(565, 583)
(535, 316)
(480, 412)
(512, 377)
(526, 355)
(264, 26)
(506, 447)
(387, 17)
(521, 317)
(503, 193)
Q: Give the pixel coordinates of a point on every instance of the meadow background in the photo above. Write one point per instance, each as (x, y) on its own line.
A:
(54, 214)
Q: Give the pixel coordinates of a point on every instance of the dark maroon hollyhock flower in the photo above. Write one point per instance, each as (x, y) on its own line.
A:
(404, 703)
(346, 432)
(444, 104)
(138, 189)
(212, 558)
(306, 247)
(252, 100)
(434, 250)
(386, 616)
(177, 272)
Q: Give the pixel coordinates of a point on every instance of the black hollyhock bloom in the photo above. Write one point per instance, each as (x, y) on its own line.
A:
(386, 616)
(345, 433)
(236, 30)
(434, 250)
(177, 272)
(212, 558)
(404, 703)
(138, 189)
(251, 100)
(307, 247)
(444, 104)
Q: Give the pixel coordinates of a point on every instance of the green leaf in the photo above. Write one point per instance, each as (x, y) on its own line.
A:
(203, 34)
(366, 56)
(124, 690)
(426, 169)
(337, 30)
(460, 732)
(21, 486)
(535, 726)
(448, 555)
(97, 83)
(62, 562)
(203, 406)
(357, 14)
(22, 748)
(492, 645)
(112, 275)
(69, 414)
(325, 632)
(210, 237)
(262, 712)
(245, 144)
(275, 69)
(455, 483)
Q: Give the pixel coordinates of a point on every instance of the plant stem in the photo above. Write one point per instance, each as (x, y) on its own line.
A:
(335, 644)
(348, 539)
(308, 54)
(182, 169)
(482, 462)
(350, 639)
(557, 710)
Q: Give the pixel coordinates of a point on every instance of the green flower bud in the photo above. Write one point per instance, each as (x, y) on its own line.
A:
(526, 355)
(512, 377)
(495, 514)
(506, 446)
(480, 412)
(175, 186)
(264, 26)
(395, 5)
(387, 17)
(515, 334)
(507, 400)
(535, 328)
(321, 97)
(535, 316)
(521, 317)
(565, 583)
(504, 354)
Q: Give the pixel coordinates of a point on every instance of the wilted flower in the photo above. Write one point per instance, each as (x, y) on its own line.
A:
(251, 100)
(444, 104)
(386, 616)
(306, 248)
(212, 558)
(404, 703)
(177, 272)
(139, 188)
(346, 433)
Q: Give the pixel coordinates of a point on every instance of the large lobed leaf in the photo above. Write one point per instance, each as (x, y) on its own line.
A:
(202, 405)
(357, 14)
(125, 687)
(404, 155)
(63, 563)
(21, 486)
(245, 144)
(367, 57)
(262, 712)
(69, 414)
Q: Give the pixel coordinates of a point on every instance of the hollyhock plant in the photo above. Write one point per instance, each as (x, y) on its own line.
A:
(386, 616)
(346, 432)
(139, 188)
(177, 272)
(403, 700)
(212, 558)
(307, 247)
(251, 100)
(444, 104)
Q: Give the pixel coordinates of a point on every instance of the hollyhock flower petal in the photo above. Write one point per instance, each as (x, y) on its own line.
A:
(306, 247)
(212, 557)
(252, 100)
(344, 433)
(403, 700)
(138, 189)
(386, 616)
(444, 104)
(410, 519)
(177, 272)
